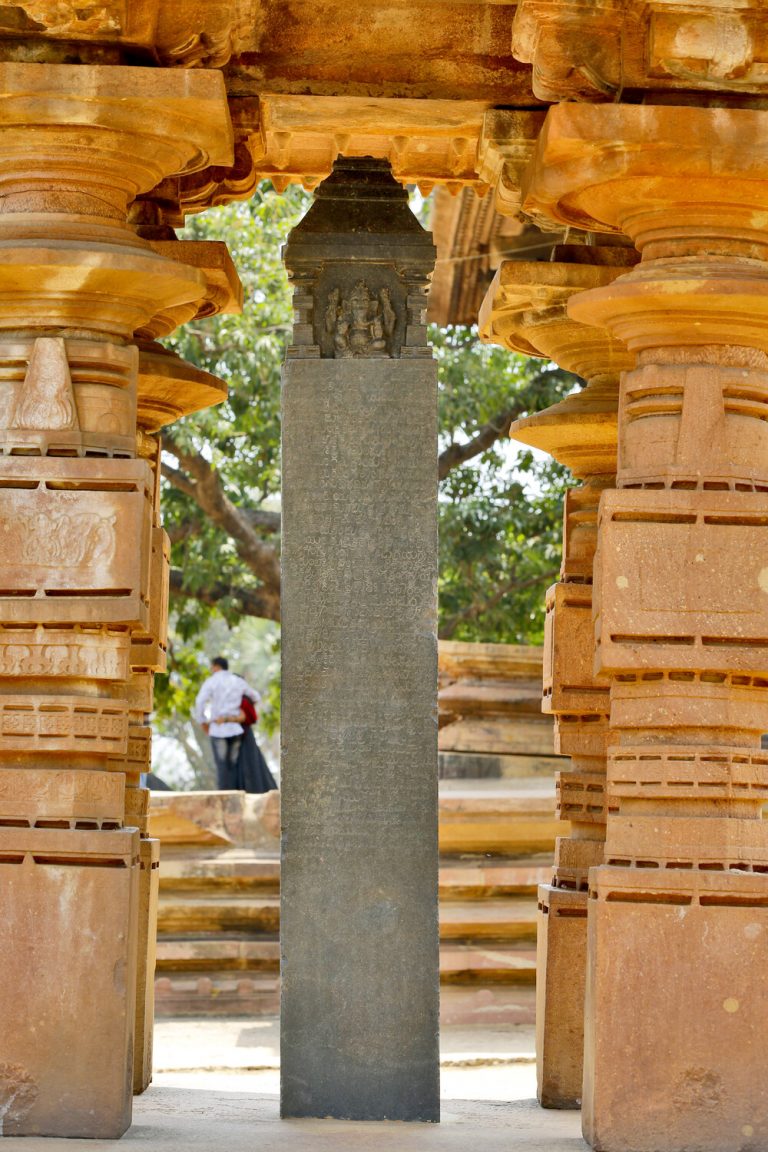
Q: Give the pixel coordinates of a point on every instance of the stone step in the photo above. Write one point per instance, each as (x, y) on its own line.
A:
(508, 699)
(501, 821)
(254, 995)
(508, 963)
(237, 870)
(488, 1005)
(184, 916)
(182, 913)
(217, 994)
(500, 919)
(463, 875)
(490, 963)
(527, 735)
(480, 877)
(489, 766)
(228, 953)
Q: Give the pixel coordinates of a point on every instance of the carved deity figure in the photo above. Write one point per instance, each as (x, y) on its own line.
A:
(361, 324)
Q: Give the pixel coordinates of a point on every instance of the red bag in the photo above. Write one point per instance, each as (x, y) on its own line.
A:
(249, 712)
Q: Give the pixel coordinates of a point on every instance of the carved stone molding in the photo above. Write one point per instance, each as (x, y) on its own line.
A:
(359, 294)
(299, 138)
(506, 144)
(596, 49)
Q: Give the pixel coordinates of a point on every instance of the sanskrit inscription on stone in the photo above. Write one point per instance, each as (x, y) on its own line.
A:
(361, 322)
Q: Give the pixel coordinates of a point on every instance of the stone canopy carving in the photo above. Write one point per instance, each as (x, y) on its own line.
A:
(361, 322)
(360, 292)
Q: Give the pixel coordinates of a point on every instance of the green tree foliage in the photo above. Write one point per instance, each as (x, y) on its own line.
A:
(499, 511)
(500, 508)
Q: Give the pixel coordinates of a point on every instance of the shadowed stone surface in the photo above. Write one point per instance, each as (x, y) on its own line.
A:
(359, 865)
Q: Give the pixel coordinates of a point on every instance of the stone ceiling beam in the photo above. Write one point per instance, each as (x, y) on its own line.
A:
(297, 138)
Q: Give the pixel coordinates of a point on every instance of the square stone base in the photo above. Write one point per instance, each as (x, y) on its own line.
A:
(68, 962)
(676, 1011)
(561, 960)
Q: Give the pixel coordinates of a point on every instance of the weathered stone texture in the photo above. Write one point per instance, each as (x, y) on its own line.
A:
(679, 616)
(83, 564)
(359, 765)
(68, 954)
(360, 750)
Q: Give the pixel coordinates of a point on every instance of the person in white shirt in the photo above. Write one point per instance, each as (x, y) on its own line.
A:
(218, 710)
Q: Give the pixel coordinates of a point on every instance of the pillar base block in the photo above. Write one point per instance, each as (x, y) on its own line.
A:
(561, 960)
(685, 1049)
(68, 956)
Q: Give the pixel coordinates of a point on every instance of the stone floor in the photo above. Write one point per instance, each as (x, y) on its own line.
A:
(216, 1086)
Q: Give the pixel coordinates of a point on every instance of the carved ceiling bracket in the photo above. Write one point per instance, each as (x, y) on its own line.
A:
(597, 50)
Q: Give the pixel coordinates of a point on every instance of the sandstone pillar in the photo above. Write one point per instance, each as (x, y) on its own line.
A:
(526, 308)
(678, 914)
(76, 517)
(359, 807)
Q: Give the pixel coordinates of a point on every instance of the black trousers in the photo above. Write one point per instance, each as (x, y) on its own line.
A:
(226, 753)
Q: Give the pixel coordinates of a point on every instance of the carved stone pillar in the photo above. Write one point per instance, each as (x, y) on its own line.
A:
(359, 805)
(526, 309)
(78, 519)
(678, 920)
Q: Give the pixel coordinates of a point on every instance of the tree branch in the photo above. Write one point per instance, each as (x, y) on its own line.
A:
(456, 454)
(177, 478)
(261, 518)
(253, 602)
(208, 493)
(179, 532)
(477, 606)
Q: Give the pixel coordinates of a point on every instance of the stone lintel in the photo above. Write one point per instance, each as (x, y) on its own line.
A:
(298, 138)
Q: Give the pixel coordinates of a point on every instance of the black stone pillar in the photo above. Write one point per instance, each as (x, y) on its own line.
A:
(359, 763)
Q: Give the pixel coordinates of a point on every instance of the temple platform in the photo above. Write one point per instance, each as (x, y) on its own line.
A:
(179, 1119)
(216, 1086)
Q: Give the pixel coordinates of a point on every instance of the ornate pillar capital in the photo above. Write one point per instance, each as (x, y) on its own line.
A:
(526, 309)
(77, 144)
(671, 176)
